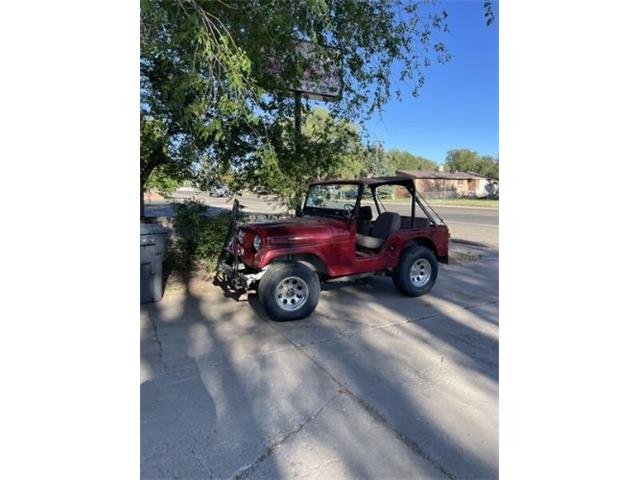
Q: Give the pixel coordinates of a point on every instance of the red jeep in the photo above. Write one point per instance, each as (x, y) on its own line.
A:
(346, 229)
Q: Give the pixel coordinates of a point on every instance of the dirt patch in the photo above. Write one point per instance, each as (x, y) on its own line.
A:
(180, 278)
(460, 256)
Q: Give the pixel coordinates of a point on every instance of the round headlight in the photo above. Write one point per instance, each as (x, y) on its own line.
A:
(257, 242)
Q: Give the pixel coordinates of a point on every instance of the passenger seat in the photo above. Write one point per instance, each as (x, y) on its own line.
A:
(385, 225)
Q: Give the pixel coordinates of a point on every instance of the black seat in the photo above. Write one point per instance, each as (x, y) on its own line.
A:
(364, 220)
(386, 224)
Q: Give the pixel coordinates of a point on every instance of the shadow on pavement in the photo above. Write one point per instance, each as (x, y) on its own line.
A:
(183, 432)
(372, 385)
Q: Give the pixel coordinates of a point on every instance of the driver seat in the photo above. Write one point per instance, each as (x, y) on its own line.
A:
(385, 225)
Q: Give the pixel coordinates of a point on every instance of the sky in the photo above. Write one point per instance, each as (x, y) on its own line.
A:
(458, 105)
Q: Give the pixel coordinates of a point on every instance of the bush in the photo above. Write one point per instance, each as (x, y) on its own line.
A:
(200, 236)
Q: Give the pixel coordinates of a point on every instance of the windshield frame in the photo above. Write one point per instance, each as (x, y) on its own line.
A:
(333, 212)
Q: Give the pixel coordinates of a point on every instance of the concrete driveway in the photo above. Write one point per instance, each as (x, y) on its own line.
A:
(373, 385)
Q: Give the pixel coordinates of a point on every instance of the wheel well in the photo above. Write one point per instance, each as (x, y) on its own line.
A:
(308, 259)
(424, 242)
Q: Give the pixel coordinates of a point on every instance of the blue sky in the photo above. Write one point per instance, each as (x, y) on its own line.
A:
(458, 105)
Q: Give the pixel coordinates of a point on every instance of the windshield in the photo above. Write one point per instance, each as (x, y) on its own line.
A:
(332, 199)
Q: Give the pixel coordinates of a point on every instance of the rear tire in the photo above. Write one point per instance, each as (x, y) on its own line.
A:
(289, 291)
(416, 272)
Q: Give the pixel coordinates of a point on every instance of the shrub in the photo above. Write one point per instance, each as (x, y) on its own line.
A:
(199, 236)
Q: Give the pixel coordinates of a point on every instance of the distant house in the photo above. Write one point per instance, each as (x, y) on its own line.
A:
(441, 184)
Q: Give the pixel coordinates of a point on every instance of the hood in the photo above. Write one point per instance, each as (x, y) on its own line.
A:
(300, 230)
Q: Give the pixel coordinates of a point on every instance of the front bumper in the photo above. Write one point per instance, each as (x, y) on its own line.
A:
(239, 278)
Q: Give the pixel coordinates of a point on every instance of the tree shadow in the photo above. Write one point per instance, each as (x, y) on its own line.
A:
(184, 433)
(383, 378)
(209, 405)
(225, 390)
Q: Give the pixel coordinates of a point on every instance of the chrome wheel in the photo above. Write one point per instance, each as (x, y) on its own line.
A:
(420, 272)
(291, 293)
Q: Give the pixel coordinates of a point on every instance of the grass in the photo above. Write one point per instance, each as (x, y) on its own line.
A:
(465, 202)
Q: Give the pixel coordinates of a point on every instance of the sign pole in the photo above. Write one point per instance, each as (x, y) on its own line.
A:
(298, 117)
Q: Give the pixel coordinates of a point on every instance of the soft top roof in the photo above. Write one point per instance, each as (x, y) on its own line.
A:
(397, 180)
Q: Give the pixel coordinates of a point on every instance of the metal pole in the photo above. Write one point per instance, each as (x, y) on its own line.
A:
(413, 208)
(298, 118)
(141, 202)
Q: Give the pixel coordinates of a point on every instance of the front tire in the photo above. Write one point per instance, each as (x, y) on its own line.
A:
(416, 272)
(289, 291)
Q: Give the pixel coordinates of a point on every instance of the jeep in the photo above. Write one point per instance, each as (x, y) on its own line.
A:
(344, 231)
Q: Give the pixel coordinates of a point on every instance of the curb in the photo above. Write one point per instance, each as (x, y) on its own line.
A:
(436, 205)
(462, 206)
(471, 243)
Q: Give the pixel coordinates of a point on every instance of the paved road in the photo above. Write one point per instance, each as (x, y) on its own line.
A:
(472, 224)
(468, 215)
(372, 385)
(252, 203)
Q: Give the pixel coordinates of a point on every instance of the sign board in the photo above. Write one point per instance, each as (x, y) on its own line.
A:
(322, 77)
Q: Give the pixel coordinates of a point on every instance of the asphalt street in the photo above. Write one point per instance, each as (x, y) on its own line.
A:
(252, 204)
(472, 224)
(468, 215)
(465, 223)
(372, 385)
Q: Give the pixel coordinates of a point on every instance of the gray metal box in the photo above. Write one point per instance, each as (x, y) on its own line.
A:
(153, 246)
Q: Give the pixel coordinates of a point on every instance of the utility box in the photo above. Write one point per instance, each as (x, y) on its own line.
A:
(153, 246)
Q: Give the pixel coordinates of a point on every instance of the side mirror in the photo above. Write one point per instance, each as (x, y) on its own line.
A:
(298, 211)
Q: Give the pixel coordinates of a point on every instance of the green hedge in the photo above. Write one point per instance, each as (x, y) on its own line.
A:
(199, 236)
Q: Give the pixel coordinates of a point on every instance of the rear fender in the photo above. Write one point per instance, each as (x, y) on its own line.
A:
(427, 242)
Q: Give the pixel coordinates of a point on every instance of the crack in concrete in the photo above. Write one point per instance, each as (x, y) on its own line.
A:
(339, 334)
(156, 338)
(201, 464)
(244, 472)
(188, 373)
(375, 414)
(367, 328)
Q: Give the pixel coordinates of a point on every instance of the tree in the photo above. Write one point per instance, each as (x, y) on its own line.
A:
(465, 160)
(488, 166)
(488, 11)
(327, 148)
(462, 160)
(209, 95)
(194, 92)
(377, 163)
(369, 36)
(403, 160)
(166, 178)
